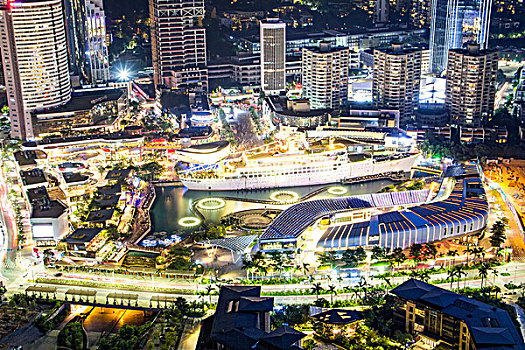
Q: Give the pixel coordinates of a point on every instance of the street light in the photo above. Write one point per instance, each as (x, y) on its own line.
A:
(123, 74)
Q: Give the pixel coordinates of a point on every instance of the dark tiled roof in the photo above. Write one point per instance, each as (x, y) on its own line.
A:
(491, 327)
(82, 235)
(107, 190)
(117, 174)
(283, 338)
(338, 316)
(26, 157)
(51, 210)
(72, 178)
(100, 215)
(33, 177)
(236, 324)
(107, 200)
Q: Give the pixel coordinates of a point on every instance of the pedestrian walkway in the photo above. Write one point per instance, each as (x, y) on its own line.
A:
(190, 334)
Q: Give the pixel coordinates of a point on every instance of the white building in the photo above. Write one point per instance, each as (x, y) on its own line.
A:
(325, 76)
(273, 56)
(33, 47)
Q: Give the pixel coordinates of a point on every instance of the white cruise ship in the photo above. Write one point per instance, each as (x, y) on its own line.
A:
(290, 169)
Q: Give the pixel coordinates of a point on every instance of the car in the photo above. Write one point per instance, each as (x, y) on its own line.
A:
(58, 274)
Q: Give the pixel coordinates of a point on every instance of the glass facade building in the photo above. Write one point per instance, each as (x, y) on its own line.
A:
(86, 36)
(455, 23)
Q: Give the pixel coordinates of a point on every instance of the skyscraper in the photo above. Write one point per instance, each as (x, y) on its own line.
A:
(86, 36)
(455, 23)
(178, 43)
(471, 84)
(381, 11)
(325, 76)
(273, 56)
(35, 60)
(397, 72)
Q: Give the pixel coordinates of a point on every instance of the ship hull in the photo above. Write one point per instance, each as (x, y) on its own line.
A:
(342, 173)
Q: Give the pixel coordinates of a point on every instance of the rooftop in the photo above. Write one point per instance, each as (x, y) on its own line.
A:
(107, 200)
(82, 235)
(118, 174)
(71, 178)
(51, 209)
(37, 194)
(80, 139)
(110, 189)
(25, 158)
(100, 216)
(237, 322)
(33, 177)
(86, 100)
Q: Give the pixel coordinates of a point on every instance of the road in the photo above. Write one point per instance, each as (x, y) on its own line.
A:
(512, 272)
(501, 95)
(8, 267)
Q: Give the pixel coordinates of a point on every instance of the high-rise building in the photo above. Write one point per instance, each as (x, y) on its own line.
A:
(86, 36)
(178, 43)
(273, 56)
(455, 23)
(325, 76)
(397, 72)
(35, 60)
(381, 11)
(471, 85)
(420, 11)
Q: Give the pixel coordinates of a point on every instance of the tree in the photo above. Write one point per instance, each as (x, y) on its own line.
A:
(327, 258)
(450, 275)
(416, 251)
(209, 291)
(317, 289)
(497, 231)
(293, 315)
(431, 250)
(378, 253)
(459, 272)
(249, 266)
(453, 253)
(333, 292)
(350, 259)
(398, 256)
(494, 273)
(483, 271)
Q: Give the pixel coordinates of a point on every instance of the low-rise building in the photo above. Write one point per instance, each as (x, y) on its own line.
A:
(242, 321)
(295, 113)
(367, 116)
(440, 317)
(93, 110)
(33, 178)
(49, 221)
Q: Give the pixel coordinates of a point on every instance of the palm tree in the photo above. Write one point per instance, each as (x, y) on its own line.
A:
(317, 289)
(209, 291)
(483, 271)
(494, 273)
(363, 285)
(305, 267)
(477, 251)
(451, 275)
(459, 272)
(333, 292)
(453, 253)
(468, 250)
(348, 289)
(249, 266)
(424, 275)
